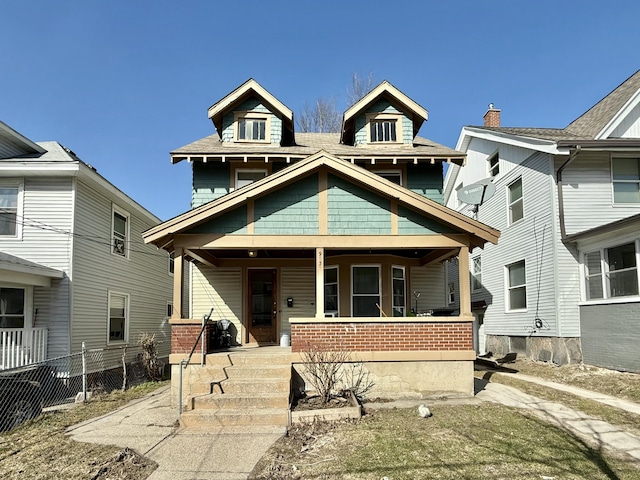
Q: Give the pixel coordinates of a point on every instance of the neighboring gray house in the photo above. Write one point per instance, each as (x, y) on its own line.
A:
(562, 283)
(73, 267)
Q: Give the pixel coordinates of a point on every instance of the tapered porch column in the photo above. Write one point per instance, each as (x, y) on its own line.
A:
(465, 285)
(320, 282)
(177, 282)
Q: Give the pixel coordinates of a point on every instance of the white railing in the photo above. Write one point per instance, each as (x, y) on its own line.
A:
(19, 346)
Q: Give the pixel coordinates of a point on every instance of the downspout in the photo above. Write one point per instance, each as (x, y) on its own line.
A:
(572, 157)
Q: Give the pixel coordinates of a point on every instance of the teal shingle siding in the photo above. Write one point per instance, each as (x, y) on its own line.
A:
(210, 181)
(251, 105)
(353, 210)
(234, 221)
(382, 106)
(291, 210)
(411, 222)
(426, 180)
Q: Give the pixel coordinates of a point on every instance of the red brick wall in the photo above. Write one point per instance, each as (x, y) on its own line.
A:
(377, 336)
(184, 336)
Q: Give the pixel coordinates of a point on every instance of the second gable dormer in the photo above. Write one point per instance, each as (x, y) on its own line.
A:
(250, 114)
(385, 116)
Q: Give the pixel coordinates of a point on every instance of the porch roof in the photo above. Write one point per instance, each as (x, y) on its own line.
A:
(18, 270)
(162, 235)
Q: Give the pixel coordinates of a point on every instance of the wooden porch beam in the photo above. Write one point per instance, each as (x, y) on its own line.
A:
(204, 257)
(437, 256)
(209, 241)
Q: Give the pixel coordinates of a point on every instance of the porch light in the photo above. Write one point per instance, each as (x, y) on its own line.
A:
(252, 254)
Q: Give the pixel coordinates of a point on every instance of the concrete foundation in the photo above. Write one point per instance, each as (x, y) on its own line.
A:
(560, 351)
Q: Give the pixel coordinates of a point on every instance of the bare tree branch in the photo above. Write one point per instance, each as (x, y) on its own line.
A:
(359, 87)
(322, 117)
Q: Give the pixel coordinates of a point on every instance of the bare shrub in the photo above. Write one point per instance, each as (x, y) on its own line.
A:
(323, 367)
(152, 366)
(357, 380)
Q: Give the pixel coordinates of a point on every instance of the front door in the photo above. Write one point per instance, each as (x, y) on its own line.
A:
(263, 306)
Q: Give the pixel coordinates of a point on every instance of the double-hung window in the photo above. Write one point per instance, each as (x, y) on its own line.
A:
(365, 291)
(516, 286)
(118, 316)
(516, 210)
(625, 173)
(451, 293)
(399, 292)
(12, 307)
(120, 229)
(252, 127)
(331, 291)
(476, 273)
(611, 272)
(9, 206)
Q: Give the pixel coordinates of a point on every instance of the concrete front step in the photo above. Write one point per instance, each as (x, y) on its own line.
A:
(241, 401)
(235, 417)
(253, 385)
(242, 358)
(258, 371)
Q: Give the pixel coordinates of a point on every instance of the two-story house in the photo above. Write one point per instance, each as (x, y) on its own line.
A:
(332, 237)
(73, 267)
(562, 284)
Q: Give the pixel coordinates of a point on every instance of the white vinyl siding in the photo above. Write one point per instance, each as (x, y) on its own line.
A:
(97, 271)
(220, 289)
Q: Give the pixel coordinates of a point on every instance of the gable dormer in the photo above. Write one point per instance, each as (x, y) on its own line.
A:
(384, 116)
(250, 114)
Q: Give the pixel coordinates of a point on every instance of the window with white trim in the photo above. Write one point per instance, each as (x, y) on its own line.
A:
(611, 272)
(399, 292)
(12, 307)
(365, 291)
(394, 176)
(384, 128)
(516, 210)
(169, 309)
(118, 317)
(625, 175)
(451, 293)
(246, 176)
(10, 210)
(120, 232)
(172, 262)
(516, 286)
(476, 273)
(493, 165)
(252, 126)
(331, 303)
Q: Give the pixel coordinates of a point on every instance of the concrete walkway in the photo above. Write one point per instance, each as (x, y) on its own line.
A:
(149, 426)
(598, 433)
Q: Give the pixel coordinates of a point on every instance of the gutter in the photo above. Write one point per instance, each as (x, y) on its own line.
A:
(572, 157)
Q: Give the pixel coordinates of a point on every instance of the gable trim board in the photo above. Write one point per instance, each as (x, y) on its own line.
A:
(161, 234)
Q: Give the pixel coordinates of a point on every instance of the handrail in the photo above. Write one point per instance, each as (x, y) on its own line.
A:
(184, 364)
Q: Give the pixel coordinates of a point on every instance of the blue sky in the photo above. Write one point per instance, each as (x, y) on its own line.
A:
(122, 83)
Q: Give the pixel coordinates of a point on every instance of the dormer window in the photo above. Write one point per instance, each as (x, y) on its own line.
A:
(252, 127)
(383, 128)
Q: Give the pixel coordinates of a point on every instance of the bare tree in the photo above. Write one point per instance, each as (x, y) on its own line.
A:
(360, 86)
(322, 117)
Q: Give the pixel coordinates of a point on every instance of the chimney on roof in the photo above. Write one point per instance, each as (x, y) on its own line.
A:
(492, 117)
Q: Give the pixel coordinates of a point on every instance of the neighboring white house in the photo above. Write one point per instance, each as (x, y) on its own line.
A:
(562, 283)
(73, 267)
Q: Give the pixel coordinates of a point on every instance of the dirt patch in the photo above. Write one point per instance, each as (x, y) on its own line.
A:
(314, 402)
(125, 465)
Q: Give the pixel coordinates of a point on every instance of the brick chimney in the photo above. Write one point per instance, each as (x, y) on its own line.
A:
(492, 117)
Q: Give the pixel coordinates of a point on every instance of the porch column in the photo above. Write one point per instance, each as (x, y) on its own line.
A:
(177, 282)
(464, 283)
(320, 282)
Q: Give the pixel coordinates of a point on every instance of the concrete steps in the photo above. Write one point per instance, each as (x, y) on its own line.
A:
(256, 386)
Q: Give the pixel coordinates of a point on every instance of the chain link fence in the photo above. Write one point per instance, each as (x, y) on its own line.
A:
(25, 392)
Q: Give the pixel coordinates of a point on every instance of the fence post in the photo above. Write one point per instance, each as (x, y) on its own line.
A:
(84, 373)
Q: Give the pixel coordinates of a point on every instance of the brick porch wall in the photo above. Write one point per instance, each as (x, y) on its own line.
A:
(381, 336)
(184, 336)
